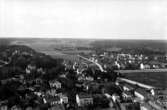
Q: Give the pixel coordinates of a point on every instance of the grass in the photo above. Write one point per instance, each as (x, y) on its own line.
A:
(157, 79)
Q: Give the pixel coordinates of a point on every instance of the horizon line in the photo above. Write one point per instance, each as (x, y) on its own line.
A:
(79, 38)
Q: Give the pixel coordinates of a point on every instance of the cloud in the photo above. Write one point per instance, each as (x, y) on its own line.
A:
(78, 19)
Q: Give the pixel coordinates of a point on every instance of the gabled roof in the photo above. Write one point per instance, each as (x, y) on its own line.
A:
(84, 95)
(51, 99)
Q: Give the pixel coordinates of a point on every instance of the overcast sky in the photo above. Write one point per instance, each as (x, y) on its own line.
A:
(115, 19)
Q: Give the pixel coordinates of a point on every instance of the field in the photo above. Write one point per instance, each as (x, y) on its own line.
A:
(57, 54)
(156, 79)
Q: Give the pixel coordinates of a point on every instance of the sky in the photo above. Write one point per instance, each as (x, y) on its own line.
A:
(95, 19)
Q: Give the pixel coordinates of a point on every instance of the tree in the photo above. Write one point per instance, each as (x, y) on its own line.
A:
(21, 62)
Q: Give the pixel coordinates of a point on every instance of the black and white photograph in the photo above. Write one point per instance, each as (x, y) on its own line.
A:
(83, 54)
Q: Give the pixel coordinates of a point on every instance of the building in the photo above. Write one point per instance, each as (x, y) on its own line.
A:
(51, 92)
(144, 66)
(162, 102)
(38, 81)
(127, 95)
(84, 99)
(55, 84)
(161, 97)
(52, 100)
(115, 97)
(145, 106)
(64, 99)
(127, 87)
(57, 107)
(15, 107)
(130, 106)
(3, 107)
(141, 93)
(155, 105)
(30, 68)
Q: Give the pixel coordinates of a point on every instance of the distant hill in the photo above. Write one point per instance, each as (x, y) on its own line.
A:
(133, 46)
(129, 46)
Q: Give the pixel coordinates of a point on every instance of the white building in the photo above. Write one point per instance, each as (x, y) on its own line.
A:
(55, 84)
(84, 99)
(64, 99)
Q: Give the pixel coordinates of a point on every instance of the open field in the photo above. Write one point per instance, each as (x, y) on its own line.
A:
(156, 79)
(141, 71)
(57, 54)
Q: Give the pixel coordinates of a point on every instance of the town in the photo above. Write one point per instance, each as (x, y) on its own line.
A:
(31, 80)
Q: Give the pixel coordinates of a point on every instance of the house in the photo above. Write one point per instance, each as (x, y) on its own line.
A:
(38, 94)
(3, 105)
(15, 107)
(38, 81)
(161, 95)
(40, 70)
(89, 78)
(55, 84)
(144, 66)
(81, 77)
(155, 105)
(84, 99)
(127, 87)
(64, 99)
(57, 107)
(127, 95)
(30, 68)
(141, 93)
(155, 66)
(130, 106)
(101, 100)
(51, 92)
(29, 108)
(115, 97)
(162, 102)
(52, 100)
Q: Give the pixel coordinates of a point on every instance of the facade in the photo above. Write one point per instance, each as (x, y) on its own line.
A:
(161, 97)
(84, 99)
(51, 92)
(52, 100)
(57, 107)
(3, 107)
(140, 93)
(55, 84)
(144, 66)
(15, 108)
(30, 68)
(64, 99)
(130, 106)
(127, 95)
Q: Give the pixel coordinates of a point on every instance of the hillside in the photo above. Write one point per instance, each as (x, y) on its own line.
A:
(15, 58)
(75, 45)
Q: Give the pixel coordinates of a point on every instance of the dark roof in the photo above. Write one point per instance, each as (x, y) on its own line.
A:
(84, 95)
(51, 99)
(142, 91)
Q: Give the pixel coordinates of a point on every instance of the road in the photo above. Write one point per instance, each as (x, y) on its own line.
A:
(100, 67)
